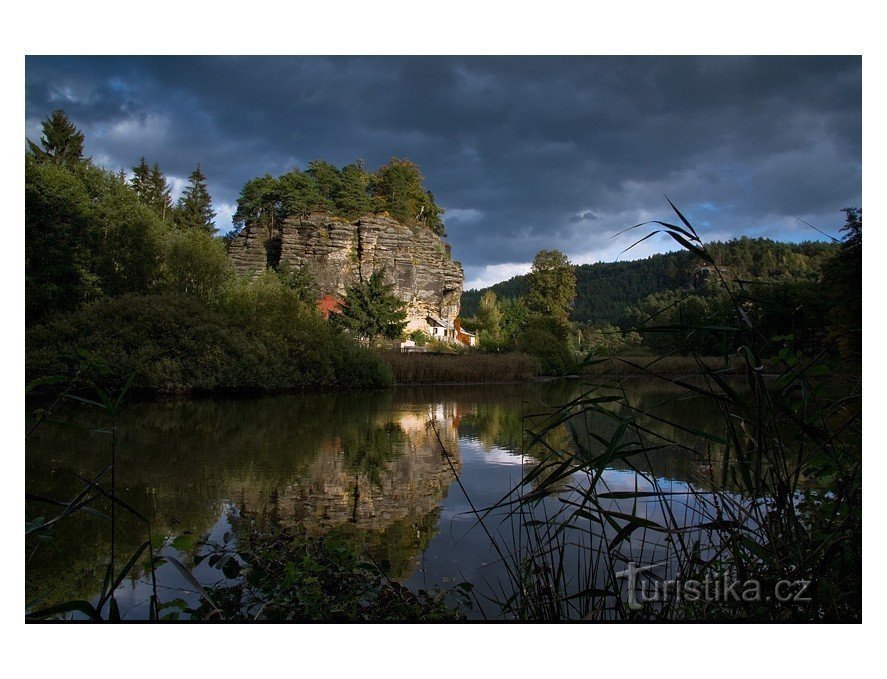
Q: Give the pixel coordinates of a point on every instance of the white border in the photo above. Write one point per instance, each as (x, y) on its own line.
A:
(454, 27)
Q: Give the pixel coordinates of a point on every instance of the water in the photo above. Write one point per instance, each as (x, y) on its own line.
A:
(369, 463)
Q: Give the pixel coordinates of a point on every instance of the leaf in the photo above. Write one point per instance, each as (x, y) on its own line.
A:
(189, 576)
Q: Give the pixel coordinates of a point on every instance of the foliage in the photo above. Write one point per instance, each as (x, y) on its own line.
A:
(300, 281)
(61, 143)
(419, 337)
(553, 353)
(279, 574)
(552, 285)
(86, 236)
(261, 337)
(781, 503)
(370, 309)
(605, 339)
(842, 281)
(194, 210)
(605, 290)
(151, 188)
(398, 190)
(395, 188)
(197, 265)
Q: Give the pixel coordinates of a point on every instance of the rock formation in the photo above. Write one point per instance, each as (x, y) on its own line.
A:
(338, 253)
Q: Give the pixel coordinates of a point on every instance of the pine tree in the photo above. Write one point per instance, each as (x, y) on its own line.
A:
(140, 181)
(352, 197)
(259, 204)
(160, 194)
(371, 309)
(194, 210)
(62, 142)
(299, 194)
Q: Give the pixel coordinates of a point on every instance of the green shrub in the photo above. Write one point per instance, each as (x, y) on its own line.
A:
(553, 352)
(261, 338)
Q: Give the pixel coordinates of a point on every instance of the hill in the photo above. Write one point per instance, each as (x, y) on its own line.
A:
(605, 290)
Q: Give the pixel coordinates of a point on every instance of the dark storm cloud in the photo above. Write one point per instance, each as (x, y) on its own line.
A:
(524, 153)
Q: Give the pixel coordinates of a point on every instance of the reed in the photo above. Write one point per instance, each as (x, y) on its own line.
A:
(428, 368)
(778, 509)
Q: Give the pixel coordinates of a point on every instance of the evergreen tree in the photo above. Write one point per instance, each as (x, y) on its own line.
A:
(327, 178)
(160, 194)
(62, 142)
(141, 179)
(352, 198)
(299, 194)
(259, 204)
(194, 210)
(371, 309)
(398, 190)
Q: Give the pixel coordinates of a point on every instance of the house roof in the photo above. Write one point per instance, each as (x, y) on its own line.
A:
(437, 321)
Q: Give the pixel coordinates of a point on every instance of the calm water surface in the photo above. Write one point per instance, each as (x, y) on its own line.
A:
(366, 463)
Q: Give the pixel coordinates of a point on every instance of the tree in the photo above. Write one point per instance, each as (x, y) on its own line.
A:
(489, 320)
(259, 204)
(552, 285)
(62, 142)
(842, 281)
(299, 195)
(398, 190)
(371, 309)
(159, 193)
(194, 210)
(141, 178)
(352, 198)
(327, 178)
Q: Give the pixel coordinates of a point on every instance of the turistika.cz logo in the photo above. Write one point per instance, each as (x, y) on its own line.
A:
(722, 588)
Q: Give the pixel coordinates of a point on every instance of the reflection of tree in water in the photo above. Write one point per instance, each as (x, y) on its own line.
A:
(368, 454)
(180, 462)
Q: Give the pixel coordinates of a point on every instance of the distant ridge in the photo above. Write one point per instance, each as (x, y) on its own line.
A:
(605, 290)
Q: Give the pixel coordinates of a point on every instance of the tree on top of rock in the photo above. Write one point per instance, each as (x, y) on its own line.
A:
(398, 190)
(194, 210)
(352, 196)
(259, 204)
(62, 142)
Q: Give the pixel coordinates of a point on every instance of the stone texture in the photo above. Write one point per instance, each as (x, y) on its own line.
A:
(339, 253)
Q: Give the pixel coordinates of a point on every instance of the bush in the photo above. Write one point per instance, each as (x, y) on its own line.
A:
(261, 339)
(553, 353)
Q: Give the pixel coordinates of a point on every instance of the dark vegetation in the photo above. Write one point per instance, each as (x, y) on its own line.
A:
(431, 368)
(781, 501)
(126, 291)
(123, 286)
(350, 192)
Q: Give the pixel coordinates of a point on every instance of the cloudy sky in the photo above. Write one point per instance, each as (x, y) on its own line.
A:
(523, 153)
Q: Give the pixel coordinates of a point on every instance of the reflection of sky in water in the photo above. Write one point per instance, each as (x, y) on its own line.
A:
(306, 448)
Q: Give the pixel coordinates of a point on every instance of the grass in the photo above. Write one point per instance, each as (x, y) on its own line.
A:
(620, 366)
(777, 509)
(427, 368)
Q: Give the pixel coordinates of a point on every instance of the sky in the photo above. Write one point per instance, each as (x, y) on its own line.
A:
(523, 153)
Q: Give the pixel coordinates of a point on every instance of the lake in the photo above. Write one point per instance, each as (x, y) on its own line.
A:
(379, 466)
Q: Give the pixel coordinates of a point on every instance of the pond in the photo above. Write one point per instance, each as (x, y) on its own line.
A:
(379, 466)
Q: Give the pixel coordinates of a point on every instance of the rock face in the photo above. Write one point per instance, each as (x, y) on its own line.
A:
(338, 253)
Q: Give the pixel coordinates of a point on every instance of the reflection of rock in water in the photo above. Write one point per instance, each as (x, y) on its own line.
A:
(393, 471)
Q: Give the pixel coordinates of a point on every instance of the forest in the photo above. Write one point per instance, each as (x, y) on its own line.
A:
(678, 302)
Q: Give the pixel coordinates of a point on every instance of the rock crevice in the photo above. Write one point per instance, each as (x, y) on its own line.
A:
(338, 253)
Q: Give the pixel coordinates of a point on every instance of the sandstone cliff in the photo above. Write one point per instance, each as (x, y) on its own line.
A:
(338, 253)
